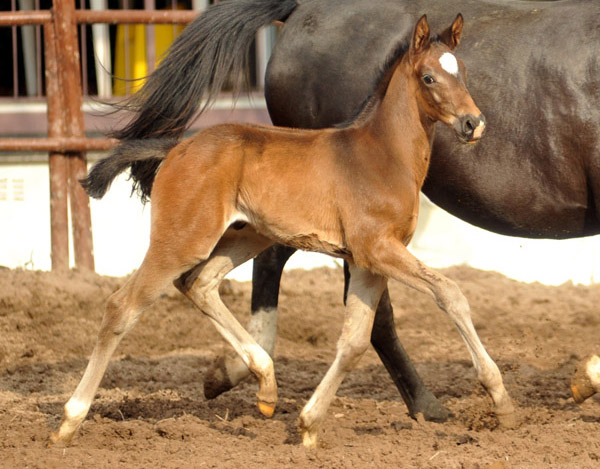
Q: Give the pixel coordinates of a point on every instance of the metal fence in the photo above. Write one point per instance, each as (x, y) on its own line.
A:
(66, 141)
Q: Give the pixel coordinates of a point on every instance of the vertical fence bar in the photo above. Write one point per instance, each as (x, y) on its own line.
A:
(15, 54)
(38, 54)
(126, 53)
(58, 163)
(150, 39)
(83, 46)
(68, 56)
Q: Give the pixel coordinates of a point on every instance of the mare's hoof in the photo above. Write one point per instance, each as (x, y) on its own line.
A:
(430, 408)
(216, 381)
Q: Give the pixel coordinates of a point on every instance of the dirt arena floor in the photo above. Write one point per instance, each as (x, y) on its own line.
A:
(150, 411)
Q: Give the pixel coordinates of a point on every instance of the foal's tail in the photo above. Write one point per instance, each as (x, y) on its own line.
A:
(149, 151)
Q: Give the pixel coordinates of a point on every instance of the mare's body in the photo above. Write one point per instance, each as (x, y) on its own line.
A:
(535, 73)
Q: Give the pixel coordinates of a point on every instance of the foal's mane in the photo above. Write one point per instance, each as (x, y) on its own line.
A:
(380, 84)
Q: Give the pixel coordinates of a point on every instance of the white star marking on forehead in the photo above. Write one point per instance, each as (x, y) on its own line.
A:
(449, 63)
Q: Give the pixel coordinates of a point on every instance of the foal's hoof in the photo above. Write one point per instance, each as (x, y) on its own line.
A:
(309, 439)
(508, 421)
(581, 392)
(586, 380)
(266, 409)
(60, 438)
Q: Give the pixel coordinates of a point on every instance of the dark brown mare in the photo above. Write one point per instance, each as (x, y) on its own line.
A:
(224, 195)
(535, 72)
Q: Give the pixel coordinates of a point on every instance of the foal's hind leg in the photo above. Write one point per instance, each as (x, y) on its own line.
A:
(229, 370)
(201, 286)
(363, 295)
(122, 311)
(391, 258)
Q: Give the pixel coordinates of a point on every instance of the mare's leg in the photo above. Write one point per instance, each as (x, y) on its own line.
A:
(123, 308)
(228, 370)
(418, 398)
(201, 286)
(392, 259)
(364, 292)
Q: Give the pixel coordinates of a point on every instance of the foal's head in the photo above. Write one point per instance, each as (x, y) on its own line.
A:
(442, 93)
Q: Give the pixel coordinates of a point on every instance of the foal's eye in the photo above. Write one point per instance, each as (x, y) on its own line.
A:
(428, 80)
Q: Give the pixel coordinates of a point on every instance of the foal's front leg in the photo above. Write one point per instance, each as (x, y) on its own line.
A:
(417, 397)
(228, 370)
(363, 295)
(391, 258)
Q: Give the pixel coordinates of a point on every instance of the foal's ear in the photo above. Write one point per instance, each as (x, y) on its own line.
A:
(420, 37)
(451, 36)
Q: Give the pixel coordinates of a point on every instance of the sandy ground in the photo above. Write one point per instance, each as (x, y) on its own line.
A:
(150, 410)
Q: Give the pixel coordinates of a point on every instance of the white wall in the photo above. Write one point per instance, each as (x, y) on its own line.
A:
(121, 232)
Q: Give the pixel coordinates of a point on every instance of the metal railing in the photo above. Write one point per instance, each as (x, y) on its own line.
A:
(67, 142)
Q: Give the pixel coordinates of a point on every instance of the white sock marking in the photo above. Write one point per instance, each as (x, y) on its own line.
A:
(74, 408)
(263, 327)
(449, 63)
(593, 371)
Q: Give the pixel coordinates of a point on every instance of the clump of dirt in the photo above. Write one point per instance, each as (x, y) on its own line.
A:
(150, 410)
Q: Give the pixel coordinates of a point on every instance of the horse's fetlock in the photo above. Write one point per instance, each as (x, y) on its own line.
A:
(490, 378)
(75, 410)
(260, 361)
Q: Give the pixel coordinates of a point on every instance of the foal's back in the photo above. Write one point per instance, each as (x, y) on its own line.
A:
(309, 189)
(285, 182)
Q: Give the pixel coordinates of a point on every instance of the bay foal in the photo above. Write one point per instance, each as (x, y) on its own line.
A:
(230, 191)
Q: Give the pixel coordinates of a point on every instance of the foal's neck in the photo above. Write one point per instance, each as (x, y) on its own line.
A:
(399, 122)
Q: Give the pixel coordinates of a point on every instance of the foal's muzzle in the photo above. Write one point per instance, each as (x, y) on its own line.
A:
(469, 128)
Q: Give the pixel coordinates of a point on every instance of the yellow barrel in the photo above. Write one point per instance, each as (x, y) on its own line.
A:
(134, 35)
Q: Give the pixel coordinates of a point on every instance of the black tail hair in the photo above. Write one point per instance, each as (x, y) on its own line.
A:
(211, 50)
(150, 151)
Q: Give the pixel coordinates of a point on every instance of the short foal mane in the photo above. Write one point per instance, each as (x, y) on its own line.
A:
(380, 84)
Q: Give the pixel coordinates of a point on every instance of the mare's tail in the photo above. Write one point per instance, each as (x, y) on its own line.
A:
(211, 50)
(129, 152)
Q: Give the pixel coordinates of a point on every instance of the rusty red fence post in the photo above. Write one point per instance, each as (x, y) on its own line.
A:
(68, 57)
(66, 141)
(58, 164)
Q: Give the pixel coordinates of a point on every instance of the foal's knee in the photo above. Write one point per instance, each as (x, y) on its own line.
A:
(352, 350)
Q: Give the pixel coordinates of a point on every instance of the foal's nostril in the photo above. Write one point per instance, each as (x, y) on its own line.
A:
(469, 128)
(469, 125)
